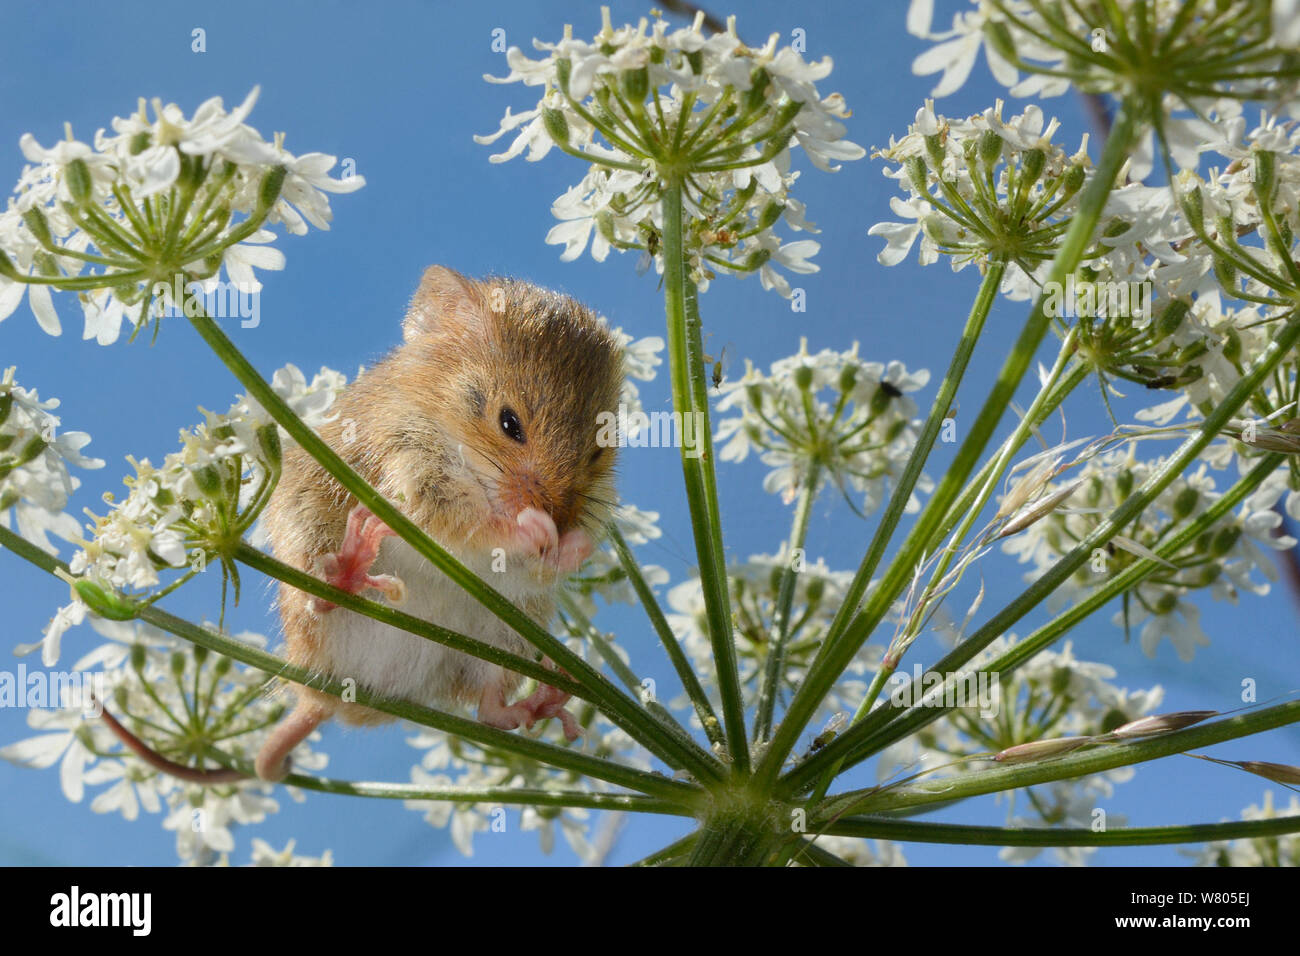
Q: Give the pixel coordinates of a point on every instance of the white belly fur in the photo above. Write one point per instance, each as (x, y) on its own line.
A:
(394, 663)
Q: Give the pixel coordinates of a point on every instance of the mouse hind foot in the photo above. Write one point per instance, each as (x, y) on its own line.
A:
(543, 703)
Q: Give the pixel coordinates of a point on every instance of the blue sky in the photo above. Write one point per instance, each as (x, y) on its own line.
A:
(397, 87)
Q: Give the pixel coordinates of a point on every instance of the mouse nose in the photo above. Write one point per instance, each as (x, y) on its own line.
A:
(526, 489)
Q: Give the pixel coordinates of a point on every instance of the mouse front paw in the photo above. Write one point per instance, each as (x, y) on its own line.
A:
(538, 535)
(349, 567)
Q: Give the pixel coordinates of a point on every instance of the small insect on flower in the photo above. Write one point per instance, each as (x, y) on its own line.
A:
(719, 368)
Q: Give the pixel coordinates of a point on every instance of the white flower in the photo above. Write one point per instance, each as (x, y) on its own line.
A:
(34, 459)
(1263, 851)
(79, 210)
(861, 439)
(739, 179)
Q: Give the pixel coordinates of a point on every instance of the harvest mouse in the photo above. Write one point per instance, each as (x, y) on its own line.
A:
(481, 427)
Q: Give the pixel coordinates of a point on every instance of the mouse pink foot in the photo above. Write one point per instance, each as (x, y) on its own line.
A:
(548, 701)
(535, 531)
(349, 567)
(537, 535)
(574, 548)
(542, 704)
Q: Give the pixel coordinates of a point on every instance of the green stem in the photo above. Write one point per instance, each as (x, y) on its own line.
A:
(690, 398)
(785, 598)
(260, 561)
(884, 726)
(471, 730)
(631, 716)
(844, 641)
(826, 665)
(691, 683)
(580, 799)
(954, 833)
(1079, 764)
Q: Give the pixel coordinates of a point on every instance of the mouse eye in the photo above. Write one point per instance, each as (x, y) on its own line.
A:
(510, 424)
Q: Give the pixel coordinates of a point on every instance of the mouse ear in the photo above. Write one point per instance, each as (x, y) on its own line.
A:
(444, 296)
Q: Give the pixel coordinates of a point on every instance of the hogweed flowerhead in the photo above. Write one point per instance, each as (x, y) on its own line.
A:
(161, 202)
(831, 415)
(193, 510)
(1222, 559)
(982, 190)
(1169, 59)
(34, 457)
(648, 108)
(755, 588)
(1051, 705)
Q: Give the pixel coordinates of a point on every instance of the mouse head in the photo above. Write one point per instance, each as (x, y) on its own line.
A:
(526, 377)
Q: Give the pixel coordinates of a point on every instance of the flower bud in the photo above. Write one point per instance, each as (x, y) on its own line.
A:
(178, 663)
(1074, 178)
(557, 127)
(636, 84)
(918, 174)
(815, 590)
(222, 667)
(107, 604)
(77, 175)
(1185, 503)
(268, 443)
(139, 655)
(35, 222)
(998, 35)
(1224, 540)
(848, 377)
(770, 214)
(1031, 166)
(1194, 208)
(208, 478)
(803, 377)
(1171, 317)
(989, 147)
(562, 70)
(1265, 175)
(272, 183)
(757, 259)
